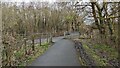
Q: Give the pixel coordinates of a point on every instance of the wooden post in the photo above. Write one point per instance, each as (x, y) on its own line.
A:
(64, 34)
(47, 37)
(6, 49)
(40, 39)
(50, 39)
(33, 43)
(25, 39)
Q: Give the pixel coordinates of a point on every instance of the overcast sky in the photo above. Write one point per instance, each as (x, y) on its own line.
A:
(51, 1)
(28, 0)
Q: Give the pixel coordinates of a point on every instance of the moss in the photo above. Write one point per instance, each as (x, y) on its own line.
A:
(112, 53)
(82, 62)
(97, 58)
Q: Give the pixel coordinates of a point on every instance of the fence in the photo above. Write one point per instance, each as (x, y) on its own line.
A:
(16, 50)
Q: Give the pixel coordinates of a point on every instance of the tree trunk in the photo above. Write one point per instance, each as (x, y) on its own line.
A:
(118, 26)
(108, 20)
(33, 43)
(98, 24)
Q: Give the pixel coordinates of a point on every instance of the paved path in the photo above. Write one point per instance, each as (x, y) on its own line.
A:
(62, 53)
(55, 39)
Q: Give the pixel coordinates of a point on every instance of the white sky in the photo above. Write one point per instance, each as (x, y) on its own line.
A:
(50, 1)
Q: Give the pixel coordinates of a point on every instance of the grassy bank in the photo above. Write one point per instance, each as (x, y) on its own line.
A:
(22, 56)
(103, 55)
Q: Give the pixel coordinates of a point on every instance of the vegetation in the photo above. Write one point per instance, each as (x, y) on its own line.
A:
(103, 55)
(24, 23)
(22, 59)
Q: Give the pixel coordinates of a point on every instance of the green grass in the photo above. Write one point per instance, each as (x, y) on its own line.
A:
(97, 58)
(109, 51)
(23, 59)
(19, 53)
(39, 51)
(113, 53)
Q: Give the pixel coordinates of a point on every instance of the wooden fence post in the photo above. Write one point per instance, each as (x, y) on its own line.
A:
(50, 39)
(33, 43)
(47, 37)
(40, 39)
(25, 39)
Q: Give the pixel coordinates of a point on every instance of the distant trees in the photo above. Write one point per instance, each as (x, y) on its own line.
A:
(43, 18)
(23, 22)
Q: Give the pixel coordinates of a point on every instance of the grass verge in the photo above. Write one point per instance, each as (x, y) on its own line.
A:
(23, 59)
(94, 55)
(102, 50)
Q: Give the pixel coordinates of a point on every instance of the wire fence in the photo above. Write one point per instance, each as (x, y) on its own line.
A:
(16, 49)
